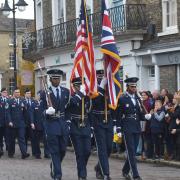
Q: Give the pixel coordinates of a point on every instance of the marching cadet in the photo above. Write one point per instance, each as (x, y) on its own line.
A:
(80, 129)
(28, 116)
(39, 131)
(3, 118)
(129, 115)
(103, 128)
(56, 126)
(16, 124)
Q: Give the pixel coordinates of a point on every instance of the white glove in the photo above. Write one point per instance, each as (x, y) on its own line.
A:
(103, 82)
(50, 111)
(83, 89)
(177, 121)
(167, 115)
(119, 135)
(147, 116)
(32, 126)
(10, 124)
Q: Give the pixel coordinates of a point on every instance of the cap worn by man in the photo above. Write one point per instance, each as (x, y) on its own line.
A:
(77, 81)
(132, 81)
(54, 73)
(100, 73)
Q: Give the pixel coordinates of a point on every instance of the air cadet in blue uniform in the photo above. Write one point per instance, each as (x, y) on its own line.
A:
(28, 116)
(56, 125)
(39, 131)
(80, 129)
(16, 124)
(103, 128)
(3, 119)
(129, 115)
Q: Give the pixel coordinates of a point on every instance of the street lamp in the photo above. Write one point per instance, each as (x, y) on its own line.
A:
(21, 5)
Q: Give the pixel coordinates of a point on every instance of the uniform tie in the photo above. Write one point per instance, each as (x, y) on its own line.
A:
(57, 93)
(29, 102)
(17, 100)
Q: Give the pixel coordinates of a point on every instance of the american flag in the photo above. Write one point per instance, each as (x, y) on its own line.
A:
(111, 58)
(84, 63)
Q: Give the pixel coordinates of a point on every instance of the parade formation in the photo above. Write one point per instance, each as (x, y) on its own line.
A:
(93, 113)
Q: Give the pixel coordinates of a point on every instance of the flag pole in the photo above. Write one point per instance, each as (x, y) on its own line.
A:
(82, 115)
(105, 88)
(105, 99)
(83, 105)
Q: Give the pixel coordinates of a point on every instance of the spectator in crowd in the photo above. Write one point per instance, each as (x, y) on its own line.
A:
(175, 125)
(146, 133)
(155, 96)
(169, 143)
(157, 128)
(164, 96)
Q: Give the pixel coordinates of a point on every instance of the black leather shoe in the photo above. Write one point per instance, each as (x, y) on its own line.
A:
(10, 155)
(82, 178)
(47, 156)
(126, 176)
(52, 172)
(137, 178)
(1, 152)
(106, 177)
(24, 156)
(38, 157)
(98, 173)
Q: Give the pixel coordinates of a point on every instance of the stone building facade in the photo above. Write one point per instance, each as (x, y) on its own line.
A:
(149, 48)
(161, 46)
(6, 50)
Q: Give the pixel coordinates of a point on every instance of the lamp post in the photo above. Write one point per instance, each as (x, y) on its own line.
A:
(21, 5)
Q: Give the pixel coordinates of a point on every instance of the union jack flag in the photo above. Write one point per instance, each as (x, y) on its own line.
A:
(111, 58)
(84, 63)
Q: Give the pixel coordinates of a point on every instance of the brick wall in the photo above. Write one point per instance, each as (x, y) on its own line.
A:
(70, 9)
(154, 14)
(47, 13)
(168, 78)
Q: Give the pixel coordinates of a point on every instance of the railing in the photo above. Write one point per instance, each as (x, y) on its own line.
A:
(123, 18)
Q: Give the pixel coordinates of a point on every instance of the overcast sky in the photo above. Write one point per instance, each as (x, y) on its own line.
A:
(27, 14)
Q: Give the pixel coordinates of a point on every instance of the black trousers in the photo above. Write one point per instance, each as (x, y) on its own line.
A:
(18, 133)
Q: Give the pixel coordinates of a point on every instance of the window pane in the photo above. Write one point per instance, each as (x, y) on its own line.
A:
(11, 85)
(60, 11)
(151, 71)
(167, 14)
(11, 60)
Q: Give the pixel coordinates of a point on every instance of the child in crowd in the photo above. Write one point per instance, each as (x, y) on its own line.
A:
(156, 118)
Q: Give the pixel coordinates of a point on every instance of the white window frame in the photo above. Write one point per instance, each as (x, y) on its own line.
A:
(78, 5)
(172, 28)
(55, 12)
(150, 74)
(39, 14)
(11, 84)
(11, 60)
